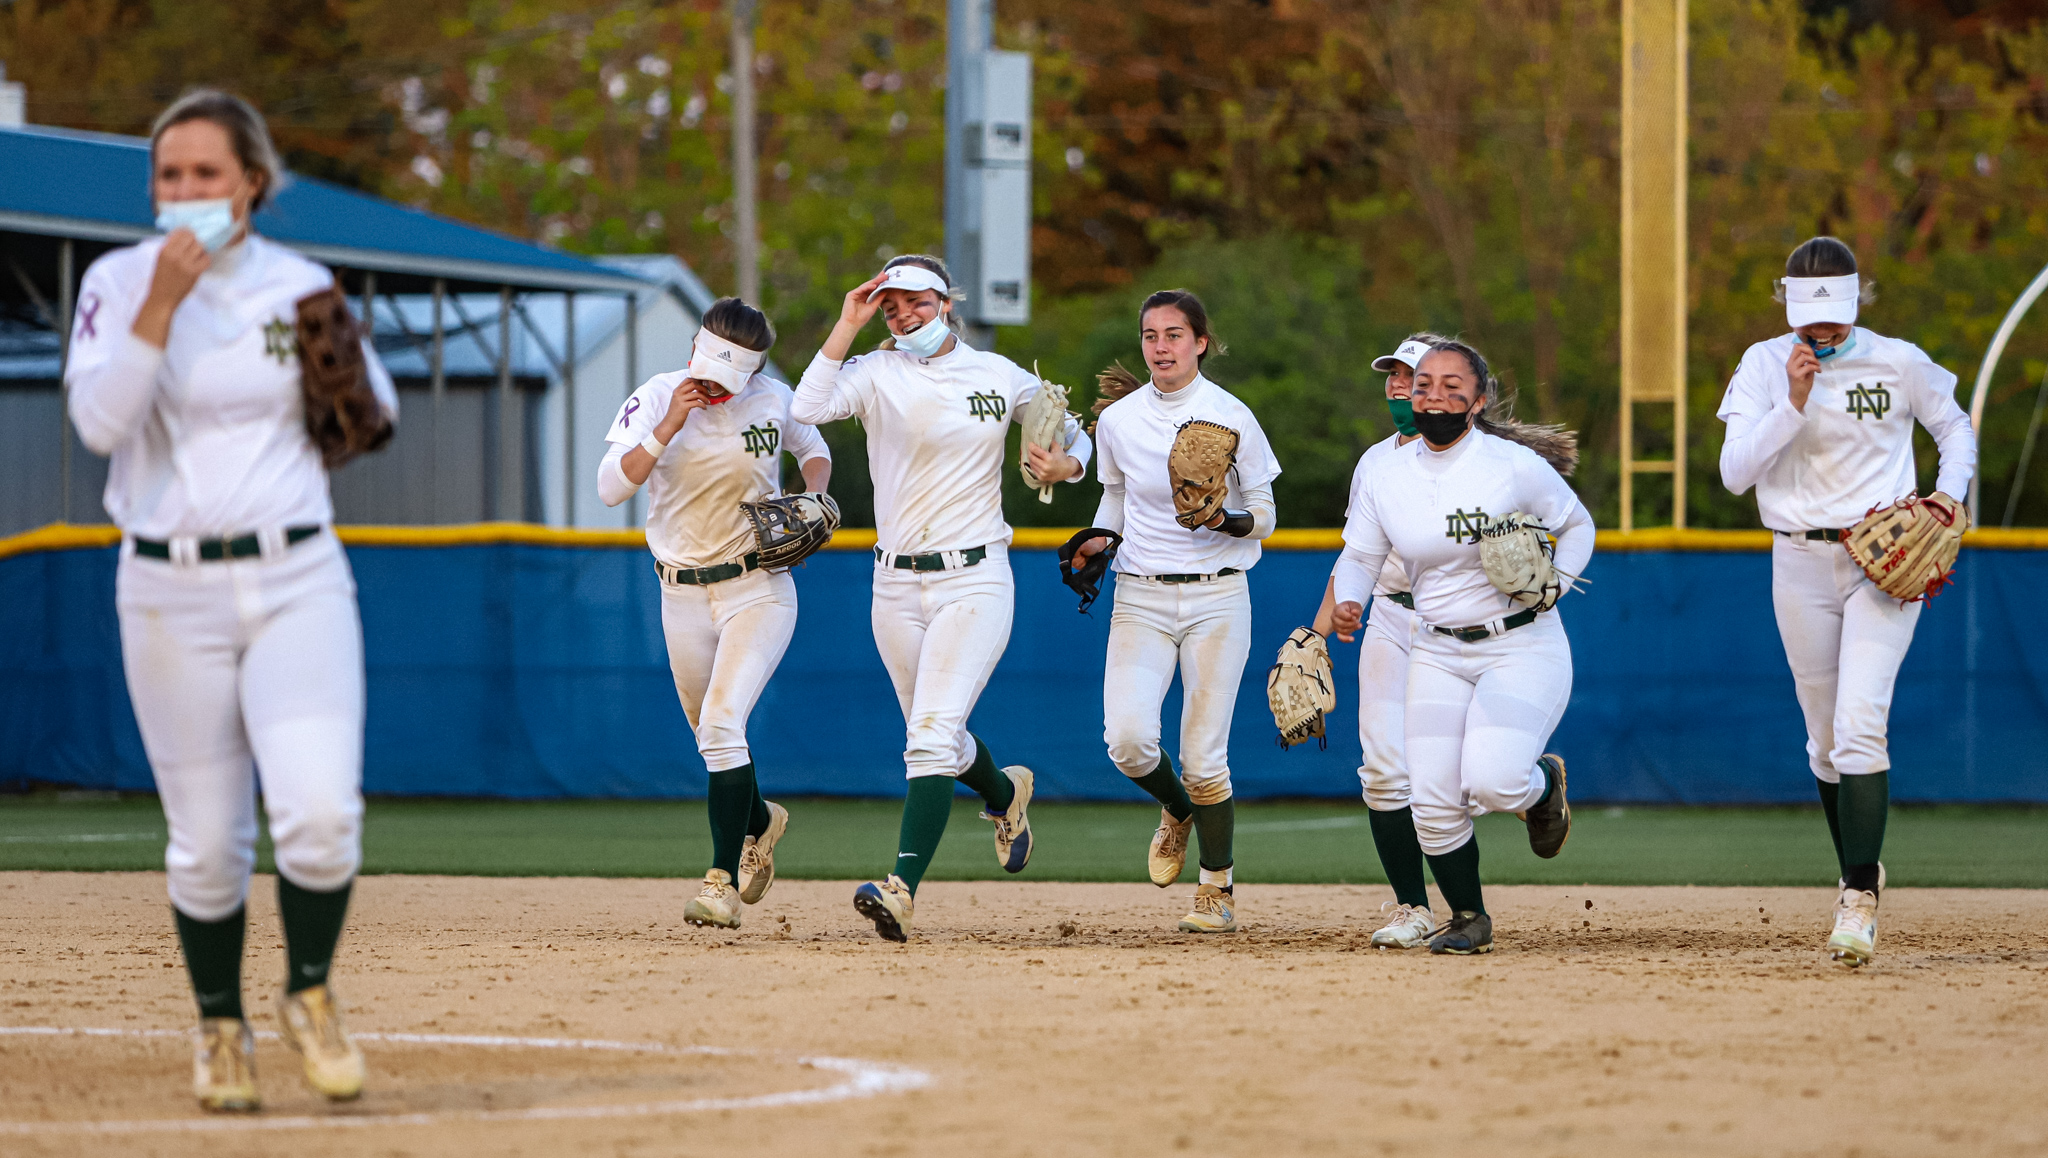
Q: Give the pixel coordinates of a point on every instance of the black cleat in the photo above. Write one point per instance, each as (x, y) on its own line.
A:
(1466, 934)
(1550, 823)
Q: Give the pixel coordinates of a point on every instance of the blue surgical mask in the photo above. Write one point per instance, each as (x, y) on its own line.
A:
(1831, 351)
(925, 340)
(212, 222)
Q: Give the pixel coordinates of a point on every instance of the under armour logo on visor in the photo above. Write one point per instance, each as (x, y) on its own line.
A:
(88, 309)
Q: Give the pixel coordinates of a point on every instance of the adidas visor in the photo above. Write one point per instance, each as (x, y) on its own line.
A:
(911, 278)
(1409, 354)
(727, 363)
(1821, 299)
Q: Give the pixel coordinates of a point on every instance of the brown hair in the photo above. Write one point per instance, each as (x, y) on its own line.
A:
(737, 322)
(1115, 382)
(1825, 256)
(247, 135)
(1553, 444)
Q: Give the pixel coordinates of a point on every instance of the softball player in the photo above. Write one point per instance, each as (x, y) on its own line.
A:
(1487, 680)
(936, 413)
(239, 632)
(1820, 422)
(1183, 600)
(705, 439)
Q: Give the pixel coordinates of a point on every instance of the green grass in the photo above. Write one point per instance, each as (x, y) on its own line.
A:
(1305, 842)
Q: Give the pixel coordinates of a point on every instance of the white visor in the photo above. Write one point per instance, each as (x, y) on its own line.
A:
(909, 277)
(1821, 299)
(1409, 354)
(727, 363)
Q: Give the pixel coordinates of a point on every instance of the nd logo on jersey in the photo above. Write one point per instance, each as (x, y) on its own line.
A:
(1465, 525)
(987, 406)
(1873, 401)
(279, 341)
(761, 440)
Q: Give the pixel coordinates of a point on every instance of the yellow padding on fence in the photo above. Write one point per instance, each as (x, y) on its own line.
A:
(69, 537)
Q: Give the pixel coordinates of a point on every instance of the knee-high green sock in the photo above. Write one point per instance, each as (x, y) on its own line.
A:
(312, 927)
(1167, 789)
(1457, 875)
(731, 805)
(1216, 825)
(1864, 802)
(1830, 803)
(1393, 837)
(925, 809)
(987, 781)
(757, 813)
(213, 957)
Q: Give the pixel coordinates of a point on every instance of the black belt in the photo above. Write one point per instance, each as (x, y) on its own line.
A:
(1192, 578)
(1830, 535)
(706, 576)
(214, 550)
(1522, 618)
(1404, 598)
(935, 561)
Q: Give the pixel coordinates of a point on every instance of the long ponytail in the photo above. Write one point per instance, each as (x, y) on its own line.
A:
(1553, 444)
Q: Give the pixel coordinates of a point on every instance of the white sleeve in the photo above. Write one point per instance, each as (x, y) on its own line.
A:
(380, 381)
(612, 484)
(805, 443)
(1543, 492)
(638, 415)
(1256, 465)
(1109, 513)
(1078, 444)
(1759, 426)
(830, 391)
(1933, 392)
(1365, 552)
(1258, 501)
(111, 373)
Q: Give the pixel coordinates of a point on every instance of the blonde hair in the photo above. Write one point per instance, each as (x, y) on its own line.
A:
(247, 134)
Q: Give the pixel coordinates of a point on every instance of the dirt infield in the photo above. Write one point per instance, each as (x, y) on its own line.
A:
(1057, 1019)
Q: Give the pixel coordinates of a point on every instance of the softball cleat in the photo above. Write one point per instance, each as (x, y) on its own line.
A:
(1410, 927)
(757, 858)
(1854, 941)
(1550, 823)
(1215, 911)
(888, 904)
(224, 1066)
(310, 1023)
(716, 904)
(1468, 933)
(1170, 848)
(1013, 825)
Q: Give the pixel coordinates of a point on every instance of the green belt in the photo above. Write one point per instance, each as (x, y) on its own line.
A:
(1829, 535)
(1404, 598)
(1192, 578)
(706, 576)
(935, 561)
(214, 550)
(1522, 618)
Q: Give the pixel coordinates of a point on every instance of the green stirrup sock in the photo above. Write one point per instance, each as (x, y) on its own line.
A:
(925, 809)
(757, 815)
(312, 927)
(1830, 797)
(1457, 875)
(1216, 825)
(1393, 837)
(987, 781)
(213, 957)
(730, 802)
(1864, 802)
(1167, 789)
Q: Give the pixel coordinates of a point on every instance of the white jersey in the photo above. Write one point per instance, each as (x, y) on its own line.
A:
(1133, 438)
(1852, 447)
(1393, 573)
(724, 455)
(208, 435)
(1430, 506)
(936, 429)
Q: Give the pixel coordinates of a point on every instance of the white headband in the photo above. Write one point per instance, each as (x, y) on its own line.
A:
(910, 277)
(1821, 299)
(727, 363)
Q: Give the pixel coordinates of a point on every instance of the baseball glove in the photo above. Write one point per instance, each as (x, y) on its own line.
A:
(1301, 689)
(1909, 548)
(1087, 582)
(343, 415)
(1517, 554)
(1199, 469)
(1044, 421)
(791, 527)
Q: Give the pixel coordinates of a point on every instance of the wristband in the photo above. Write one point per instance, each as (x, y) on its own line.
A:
(1238, 523)
(653, 446)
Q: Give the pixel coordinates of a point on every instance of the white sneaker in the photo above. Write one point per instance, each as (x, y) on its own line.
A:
(757, 859)
(1170, 848)
(717, 903)
(1854, 941)
(1215, 911)
(1013, 824)
(1410, 927)
(888, 904)
(310, 1022)
(224, 1066)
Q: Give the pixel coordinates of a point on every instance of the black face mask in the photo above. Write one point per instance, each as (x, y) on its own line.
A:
(1439, 428)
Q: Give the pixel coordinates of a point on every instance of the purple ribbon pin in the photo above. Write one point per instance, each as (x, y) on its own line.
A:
(88, 309)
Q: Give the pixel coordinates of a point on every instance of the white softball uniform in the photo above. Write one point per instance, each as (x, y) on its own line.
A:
(251, 659)
(1823, 469)
(1383, 648)
(1200, 620)
(936, 429)
(725, 638)
(1477, 713)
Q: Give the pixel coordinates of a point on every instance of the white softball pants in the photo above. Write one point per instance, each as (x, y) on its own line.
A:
(1844, 639)
(940, 634)
(1479, 715)
(245, 662)
(724, 642)
(1205, 631)
(1382, 704)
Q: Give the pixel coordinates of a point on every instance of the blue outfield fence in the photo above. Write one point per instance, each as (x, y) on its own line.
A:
(510, 669)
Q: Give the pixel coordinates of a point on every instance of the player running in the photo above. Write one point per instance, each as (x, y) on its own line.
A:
(1488, 675)
(1183, 597)
(705, 439)
(239, 630)
(936, 413)
(1820, 422)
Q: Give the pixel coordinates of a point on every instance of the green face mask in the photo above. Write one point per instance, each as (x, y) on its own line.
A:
(1403, 411)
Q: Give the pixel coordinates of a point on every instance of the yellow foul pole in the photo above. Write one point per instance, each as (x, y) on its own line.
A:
(1653, 111)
